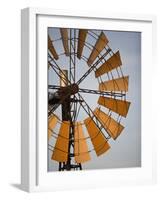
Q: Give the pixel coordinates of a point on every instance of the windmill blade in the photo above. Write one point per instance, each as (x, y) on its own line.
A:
(80, 145)
(119, 106)
(98, 140)
(64, 35)
(52, 121)
(113, 127)
(81, 41)
(119, 84)
(60, 152)
(112, 63)
(99, 46)
(52, 49)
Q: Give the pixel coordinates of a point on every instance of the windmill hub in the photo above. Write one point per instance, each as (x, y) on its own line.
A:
(68, 90)
(74, 88)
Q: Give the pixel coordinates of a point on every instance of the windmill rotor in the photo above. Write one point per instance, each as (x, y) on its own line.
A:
(101, 124)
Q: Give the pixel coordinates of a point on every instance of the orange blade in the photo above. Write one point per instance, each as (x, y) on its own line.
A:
(51, 125)
(112, 63)
(80, 145)
(98, 140)
(81, 42)
(119, 84)
(52, 49)
(119, 106)
(113, 127)
(64, 35)
(99, 46)
(60, 152)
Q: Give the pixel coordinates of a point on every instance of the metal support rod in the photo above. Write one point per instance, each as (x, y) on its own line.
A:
(90, 91)
(91, 114)
(56, 66)
(89, 70)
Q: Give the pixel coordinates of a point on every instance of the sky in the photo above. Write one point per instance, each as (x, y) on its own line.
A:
(126, 150)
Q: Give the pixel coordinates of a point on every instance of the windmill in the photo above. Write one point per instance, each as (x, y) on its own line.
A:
(103, 123)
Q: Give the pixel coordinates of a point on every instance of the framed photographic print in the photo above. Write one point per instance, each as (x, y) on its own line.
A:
(85, 97)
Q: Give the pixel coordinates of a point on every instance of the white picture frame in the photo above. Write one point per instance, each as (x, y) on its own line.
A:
(34, 175)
